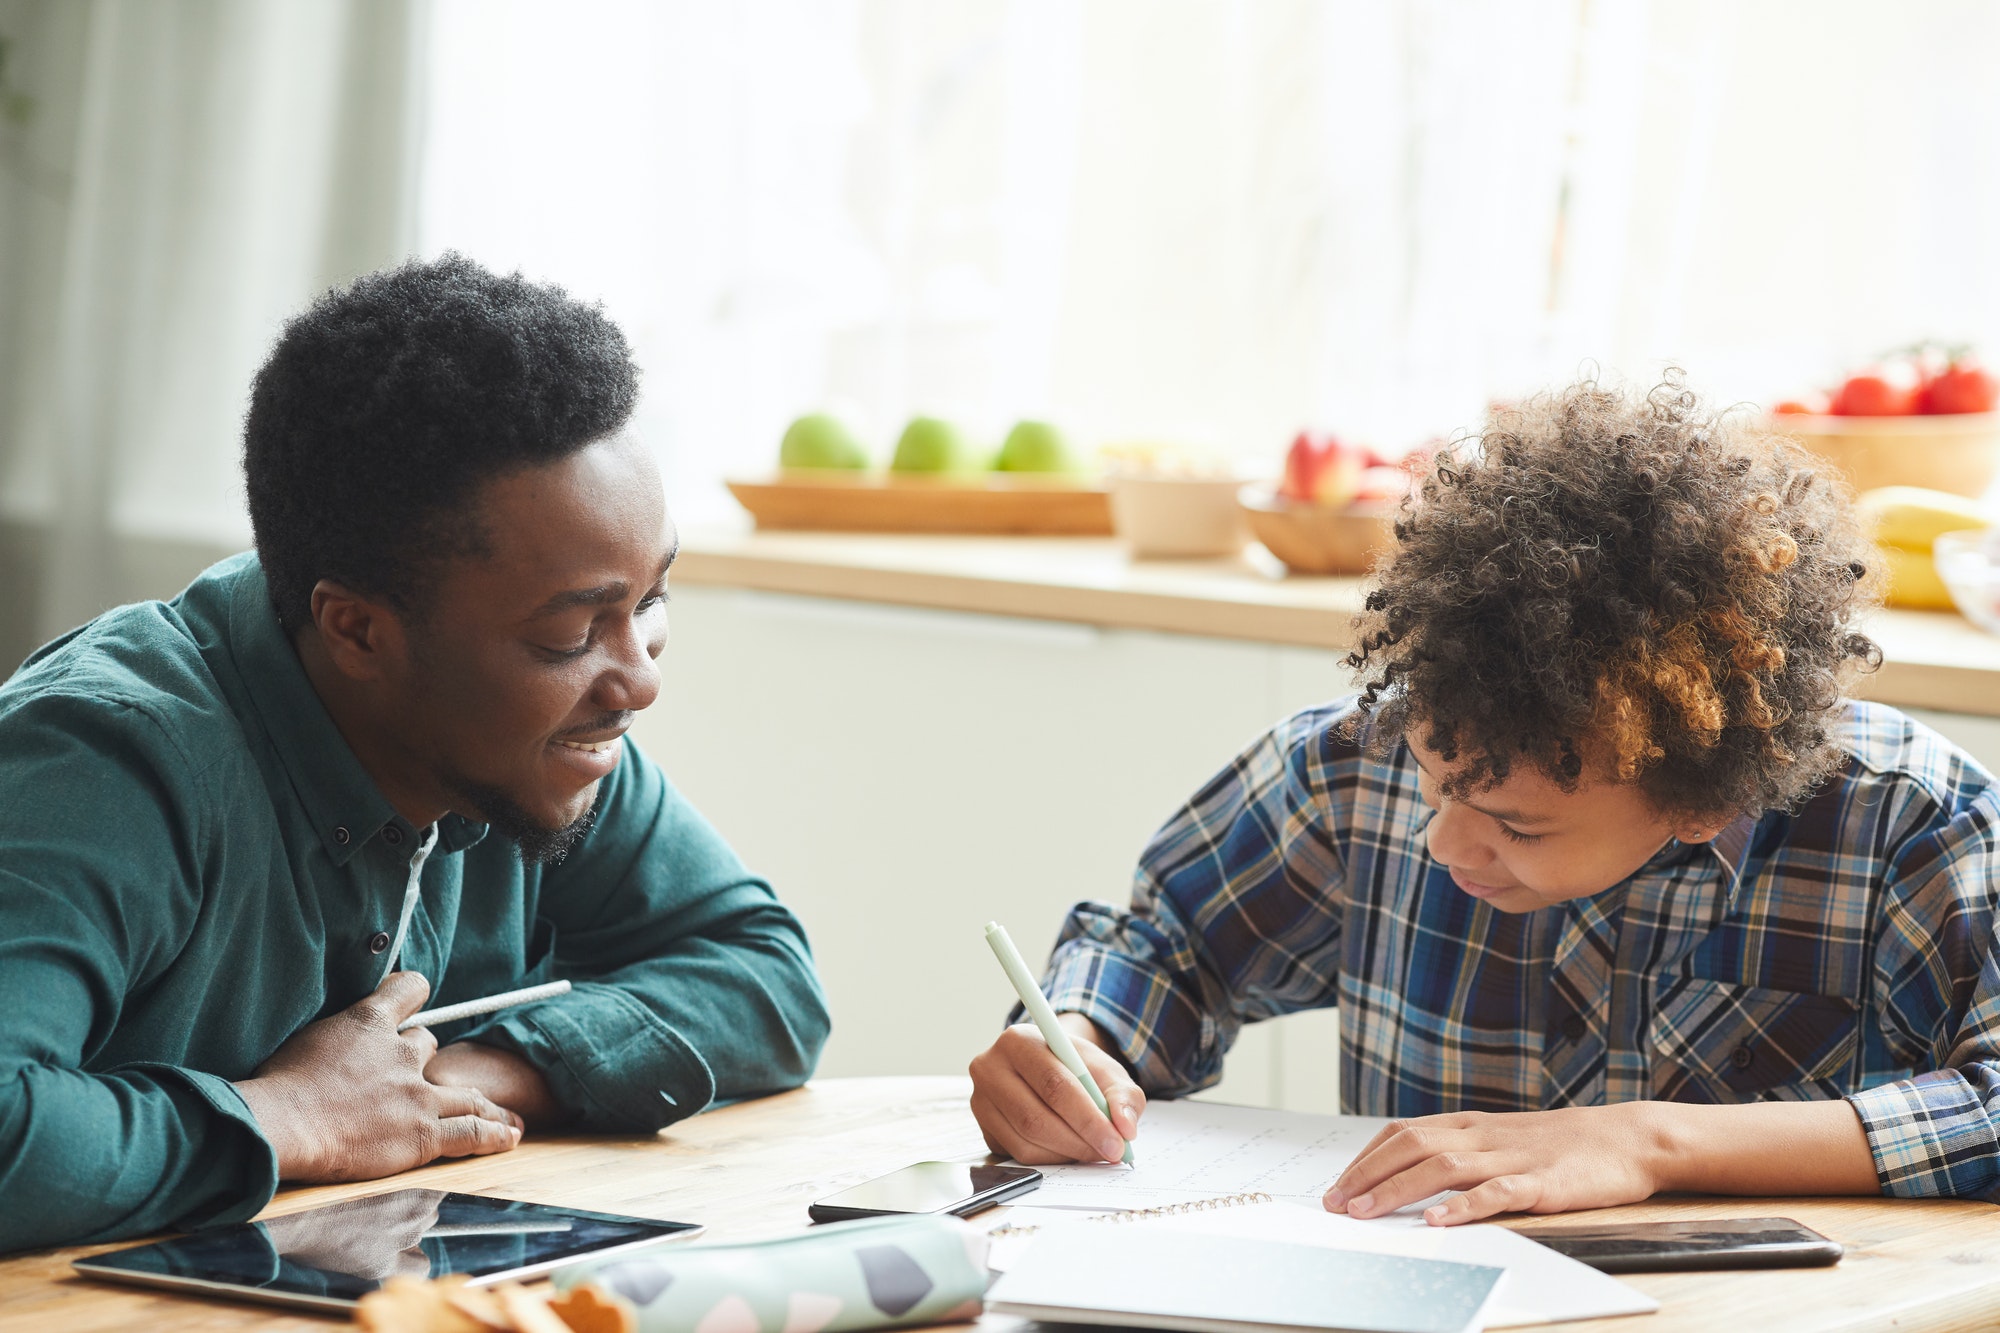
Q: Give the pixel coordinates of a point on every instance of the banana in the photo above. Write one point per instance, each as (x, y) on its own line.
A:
(1912, 517)
(1905, 521)
(1914, 581)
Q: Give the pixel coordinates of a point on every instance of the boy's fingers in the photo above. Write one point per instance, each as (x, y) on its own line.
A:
(1502, 1194)
(1397, 1148)
(1126, 1101)
(1059, 1090)
(1433, 1175)
(1026, 1105)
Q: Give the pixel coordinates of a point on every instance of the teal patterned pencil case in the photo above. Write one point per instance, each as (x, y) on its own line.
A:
(888, 1272)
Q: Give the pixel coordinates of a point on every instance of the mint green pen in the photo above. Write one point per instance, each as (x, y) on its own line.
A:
(1038, 1009)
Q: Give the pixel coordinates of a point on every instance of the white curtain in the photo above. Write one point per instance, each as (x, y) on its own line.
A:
(1215, 222)
(185, 174)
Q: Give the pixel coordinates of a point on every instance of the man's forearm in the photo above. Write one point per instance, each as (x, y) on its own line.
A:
(1760, 1148)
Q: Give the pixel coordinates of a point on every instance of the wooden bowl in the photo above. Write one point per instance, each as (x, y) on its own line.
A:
(1011, 504)
(1319, 539)
(1959, 453)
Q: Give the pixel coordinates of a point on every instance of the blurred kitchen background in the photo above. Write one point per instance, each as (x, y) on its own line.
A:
(1204, 223)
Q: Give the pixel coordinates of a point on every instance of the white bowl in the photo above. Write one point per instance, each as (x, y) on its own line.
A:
(1186, 517)
(1969, 564)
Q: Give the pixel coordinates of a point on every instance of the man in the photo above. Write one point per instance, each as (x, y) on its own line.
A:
(1615, 892)
(379, 764)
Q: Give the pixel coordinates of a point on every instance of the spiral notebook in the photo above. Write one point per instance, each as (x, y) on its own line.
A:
(1157, 1277)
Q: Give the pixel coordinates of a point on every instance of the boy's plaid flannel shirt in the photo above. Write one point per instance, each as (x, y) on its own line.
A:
(1844, 950)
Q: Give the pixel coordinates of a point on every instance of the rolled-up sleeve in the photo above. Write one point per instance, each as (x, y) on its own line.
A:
(1937, 982)
(693, 983)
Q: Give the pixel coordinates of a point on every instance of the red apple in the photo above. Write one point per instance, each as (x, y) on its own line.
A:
(1873, 395)
(1962, 386)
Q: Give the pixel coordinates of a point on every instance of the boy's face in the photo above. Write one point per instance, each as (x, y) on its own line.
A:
(1526, 843)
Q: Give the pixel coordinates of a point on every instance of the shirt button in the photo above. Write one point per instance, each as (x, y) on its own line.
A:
(378, 942)
(342, 836)
(393, 836)
(1574, 1027)
(1742, 1056)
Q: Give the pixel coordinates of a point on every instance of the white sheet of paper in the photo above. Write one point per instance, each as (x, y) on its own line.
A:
(1541, 1286)
(1188, 1151)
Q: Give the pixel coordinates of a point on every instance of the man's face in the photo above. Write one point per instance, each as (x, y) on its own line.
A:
(531, 659)
(1526, 843)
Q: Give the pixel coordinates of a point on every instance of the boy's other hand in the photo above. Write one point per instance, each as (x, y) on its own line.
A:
(345, 1098)
(1509, 1162)
(1031, 1108)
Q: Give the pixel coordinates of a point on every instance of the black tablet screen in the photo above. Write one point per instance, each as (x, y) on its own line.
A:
(346, 1250)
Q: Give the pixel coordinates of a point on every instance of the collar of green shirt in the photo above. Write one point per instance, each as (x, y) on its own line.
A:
(346, 807)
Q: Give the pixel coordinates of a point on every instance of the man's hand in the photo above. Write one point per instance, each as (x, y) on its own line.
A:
(505, 1078)
(1034, 1110)
(345, 1098)
(1598, 1156)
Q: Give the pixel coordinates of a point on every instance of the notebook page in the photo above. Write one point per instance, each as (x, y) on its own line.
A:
(1187, 1151)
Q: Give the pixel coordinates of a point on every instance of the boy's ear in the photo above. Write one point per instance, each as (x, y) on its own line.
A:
(364, 638)
(1703, 829)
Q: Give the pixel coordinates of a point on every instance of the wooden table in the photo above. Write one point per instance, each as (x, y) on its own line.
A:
(750, 1170)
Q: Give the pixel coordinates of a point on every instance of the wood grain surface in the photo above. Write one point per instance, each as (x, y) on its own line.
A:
(750, 1170)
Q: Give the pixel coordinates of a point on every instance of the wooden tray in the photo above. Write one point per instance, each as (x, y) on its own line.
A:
(871, 502)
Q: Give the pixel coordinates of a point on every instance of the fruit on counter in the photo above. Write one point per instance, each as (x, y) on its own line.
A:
(1905, 520)
(1382, 483)
(929, 444)
(1874, 395)
(1913, 517)
(817, 440)
(1035, 446)
(1914, 583)
(1926, 379)
(1962, 386)
(1324, 471)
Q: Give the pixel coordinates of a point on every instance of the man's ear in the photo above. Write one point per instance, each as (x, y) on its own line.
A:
(364, 637)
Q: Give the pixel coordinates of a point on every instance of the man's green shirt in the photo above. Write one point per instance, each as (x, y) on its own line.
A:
(194, 865)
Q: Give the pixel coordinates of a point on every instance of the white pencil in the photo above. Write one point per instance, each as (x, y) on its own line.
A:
(451, 1013)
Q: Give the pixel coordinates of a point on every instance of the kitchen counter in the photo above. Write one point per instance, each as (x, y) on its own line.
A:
(1931, 659)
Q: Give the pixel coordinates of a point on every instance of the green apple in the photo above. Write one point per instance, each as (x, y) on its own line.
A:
(1035, 446)
(818, 440)
(931, 445)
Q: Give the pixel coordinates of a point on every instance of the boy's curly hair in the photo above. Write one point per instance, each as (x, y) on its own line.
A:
(1644, 591)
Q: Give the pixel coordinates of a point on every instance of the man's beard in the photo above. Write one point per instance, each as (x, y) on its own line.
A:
(538, 844)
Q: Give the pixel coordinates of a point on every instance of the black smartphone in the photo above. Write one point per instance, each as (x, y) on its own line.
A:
(958, 1188)
(1679, 1247)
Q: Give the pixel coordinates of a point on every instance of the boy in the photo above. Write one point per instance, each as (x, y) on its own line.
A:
(1615, 890)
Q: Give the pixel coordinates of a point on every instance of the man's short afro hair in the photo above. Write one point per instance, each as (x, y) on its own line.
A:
(386, 405)
(1640, 589)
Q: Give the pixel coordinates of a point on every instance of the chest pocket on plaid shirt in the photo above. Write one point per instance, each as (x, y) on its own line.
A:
(1720, 1042)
